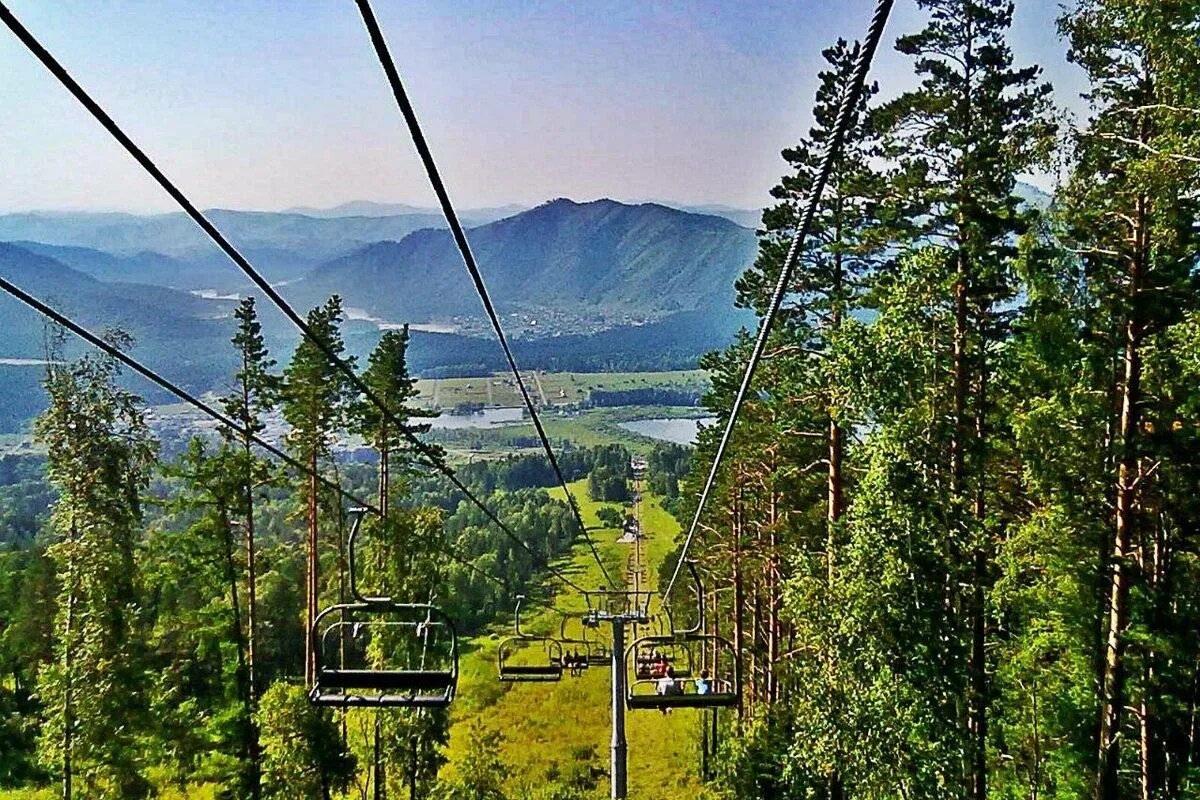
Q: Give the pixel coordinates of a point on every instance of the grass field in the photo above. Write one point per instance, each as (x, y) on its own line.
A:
(550, 727)
(549, 388)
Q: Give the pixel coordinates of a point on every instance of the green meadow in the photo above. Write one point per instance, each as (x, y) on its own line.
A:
(556, 729)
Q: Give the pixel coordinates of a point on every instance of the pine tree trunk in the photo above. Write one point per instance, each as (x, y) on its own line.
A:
(1112, 697)
(68, 743)
(773, 600)
(980, 557)
(310, 655)
(239, 639)
(739, 597)
(1149, 734)
(384, 470)
(834, 492)
(255, 754)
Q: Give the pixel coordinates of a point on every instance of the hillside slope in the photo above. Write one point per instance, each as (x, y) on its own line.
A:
(552, 730)
(173, 331)
(598, 257)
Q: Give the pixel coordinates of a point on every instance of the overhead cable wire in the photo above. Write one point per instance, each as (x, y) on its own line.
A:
(427, 451)
(207, 408)
(163, 383)
(845, 118)
(468, 257)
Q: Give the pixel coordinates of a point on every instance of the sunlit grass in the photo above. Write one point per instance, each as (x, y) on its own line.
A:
(548, 725)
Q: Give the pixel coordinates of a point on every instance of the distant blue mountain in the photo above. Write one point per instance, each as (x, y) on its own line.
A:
(369, 208)
(280, 239)
(596, 258)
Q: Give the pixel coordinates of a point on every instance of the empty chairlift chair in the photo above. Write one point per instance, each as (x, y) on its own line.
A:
(705, 669)
(377, 652)
(525, 658)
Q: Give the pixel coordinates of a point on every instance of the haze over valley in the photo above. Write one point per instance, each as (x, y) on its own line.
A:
(591, 286)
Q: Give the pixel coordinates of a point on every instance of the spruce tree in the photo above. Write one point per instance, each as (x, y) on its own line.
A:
(99, 455)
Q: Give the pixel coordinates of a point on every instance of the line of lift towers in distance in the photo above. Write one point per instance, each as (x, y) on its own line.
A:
(631, 609)
(419, 644)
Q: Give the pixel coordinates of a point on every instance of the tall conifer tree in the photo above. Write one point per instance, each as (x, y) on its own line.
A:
(99, 453)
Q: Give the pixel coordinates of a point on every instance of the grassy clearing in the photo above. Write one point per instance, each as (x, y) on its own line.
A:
(548, 387)
(549, 726)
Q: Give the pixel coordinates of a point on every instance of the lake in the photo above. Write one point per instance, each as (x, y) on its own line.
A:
(487, 418)
(677, 430)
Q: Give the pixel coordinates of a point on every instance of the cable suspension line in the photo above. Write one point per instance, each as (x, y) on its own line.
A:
(468, 257)
(226, 421)
(428, 452)
(845, 118)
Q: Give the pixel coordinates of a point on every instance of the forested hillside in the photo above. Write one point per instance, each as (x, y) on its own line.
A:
(952, 548)
(625, 261)
(957, 541)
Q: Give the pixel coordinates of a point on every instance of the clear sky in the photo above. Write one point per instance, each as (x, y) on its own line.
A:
(265, 105)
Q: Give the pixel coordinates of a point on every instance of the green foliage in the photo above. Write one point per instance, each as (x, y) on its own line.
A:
(610, 517)
(302, 750)
(480, 773)
(99, 456)
(316, 394)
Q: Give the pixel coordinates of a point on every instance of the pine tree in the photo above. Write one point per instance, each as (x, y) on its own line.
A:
(829, 289)
(316, 404)
(99, 453)
(1131, 209)
(960, 140)
(389, 380)
(255, 394)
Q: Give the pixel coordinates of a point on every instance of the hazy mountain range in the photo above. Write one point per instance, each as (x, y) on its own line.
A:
(588, 286)
(599, 285)
(592, 260)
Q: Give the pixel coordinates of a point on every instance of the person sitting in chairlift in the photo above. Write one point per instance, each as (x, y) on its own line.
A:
(659, 667)
(703, 683)
(667, 686)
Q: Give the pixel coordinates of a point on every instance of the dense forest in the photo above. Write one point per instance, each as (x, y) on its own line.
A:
(153, 610)
(955, 542)
(956, 539)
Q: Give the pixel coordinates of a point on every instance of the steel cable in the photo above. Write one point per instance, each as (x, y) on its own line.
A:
(845, 118)
(468, 257)
(428, 452)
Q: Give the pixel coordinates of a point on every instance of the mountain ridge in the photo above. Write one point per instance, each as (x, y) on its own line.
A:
(602, 256)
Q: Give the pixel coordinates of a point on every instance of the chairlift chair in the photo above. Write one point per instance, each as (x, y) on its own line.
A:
(584, 648)
(617, 601)
(717, 656)
(525, 658)
(347, 637)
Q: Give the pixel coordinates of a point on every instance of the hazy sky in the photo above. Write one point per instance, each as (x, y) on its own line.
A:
(264, 105)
